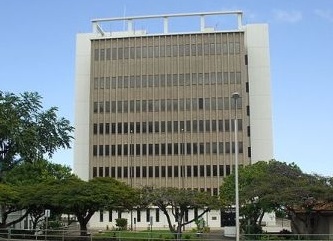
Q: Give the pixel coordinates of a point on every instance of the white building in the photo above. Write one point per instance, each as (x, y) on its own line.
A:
(156, 108)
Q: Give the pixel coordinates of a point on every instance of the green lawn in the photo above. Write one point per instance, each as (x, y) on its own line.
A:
(143, 235)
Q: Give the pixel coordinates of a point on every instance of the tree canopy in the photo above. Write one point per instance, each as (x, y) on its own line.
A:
(27, 132)
(10, 201)
(179, 201)
(25, 180)
(83, 199)
(275, 186)
(35, 172)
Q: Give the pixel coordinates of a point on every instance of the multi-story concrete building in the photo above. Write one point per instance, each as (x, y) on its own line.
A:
(157, 109)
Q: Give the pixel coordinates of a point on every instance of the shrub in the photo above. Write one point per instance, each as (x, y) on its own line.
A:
(121, 223)
(206, 229)
(285, 234)
(200, 224)
(187, 236)
(253, 229)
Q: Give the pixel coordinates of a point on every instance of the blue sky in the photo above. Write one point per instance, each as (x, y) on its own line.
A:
(37, 53)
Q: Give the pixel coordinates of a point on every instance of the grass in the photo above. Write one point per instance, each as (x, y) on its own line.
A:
(143, 235)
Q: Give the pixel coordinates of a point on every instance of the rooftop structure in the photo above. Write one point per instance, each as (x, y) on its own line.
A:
(129, 30)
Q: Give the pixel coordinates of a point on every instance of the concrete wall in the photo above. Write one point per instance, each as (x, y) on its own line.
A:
(318, 225)
(82, 100)
(212, 219)
(257, 44)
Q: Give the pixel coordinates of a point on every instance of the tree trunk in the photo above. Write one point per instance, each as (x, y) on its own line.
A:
(83, 229)
(261, 217)
(34, 224)
(179, 228)
(35, 218)
(171, 228)
(83, 221)
(3, 218)
(5, 224)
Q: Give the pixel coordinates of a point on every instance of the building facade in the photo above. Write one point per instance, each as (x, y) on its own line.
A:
(157, 109)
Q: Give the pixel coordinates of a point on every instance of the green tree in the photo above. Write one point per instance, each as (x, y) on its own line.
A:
(27, 132)
(83, 199)
(33, 176)
(26, 179)
(179, 201)
(10, 197)
(300, 194)
(38, 171)
(252, 189)
(275, 186)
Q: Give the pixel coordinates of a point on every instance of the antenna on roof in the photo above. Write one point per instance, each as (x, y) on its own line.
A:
(100, 30)
(97, 28)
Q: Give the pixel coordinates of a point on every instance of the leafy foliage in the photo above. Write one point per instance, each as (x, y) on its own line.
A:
(273, 185)
(39, 171)
(121, 223)
(27, 179)
(10, 202)
(83, 199)
(180, 201)
(27, 132)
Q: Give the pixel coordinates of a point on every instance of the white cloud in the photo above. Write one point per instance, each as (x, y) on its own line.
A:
(288, 16)
(325, 14)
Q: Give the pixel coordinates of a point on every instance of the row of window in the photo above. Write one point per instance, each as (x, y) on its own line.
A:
(166, 149)
(167, 80)
(163, 171)
(168, 126)
(176, 50)
(149, 217)
(162, 105)
(138, 215)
